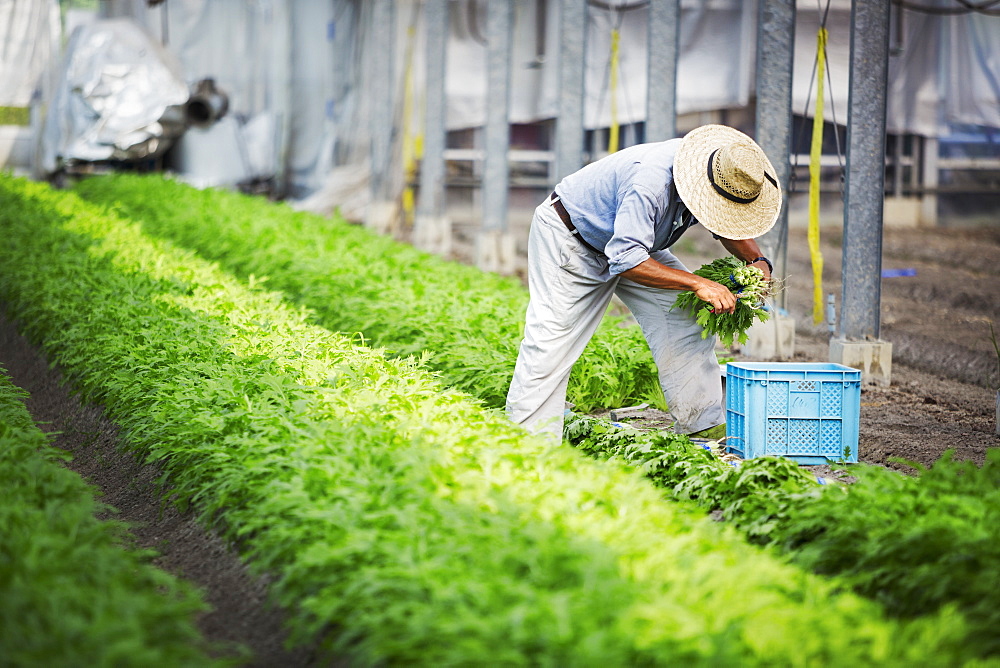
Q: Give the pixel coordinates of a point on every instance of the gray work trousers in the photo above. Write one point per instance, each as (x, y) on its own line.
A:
(570, 289)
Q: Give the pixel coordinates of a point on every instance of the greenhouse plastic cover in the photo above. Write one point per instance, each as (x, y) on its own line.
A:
(115, 85)
(303, 67)
(29, 35)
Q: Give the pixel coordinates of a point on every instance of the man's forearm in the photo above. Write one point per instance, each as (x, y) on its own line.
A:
(656, 275)
(745, 249)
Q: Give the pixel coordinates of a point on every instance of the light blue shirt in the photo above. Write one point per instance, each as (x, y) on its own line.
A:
(627, 204)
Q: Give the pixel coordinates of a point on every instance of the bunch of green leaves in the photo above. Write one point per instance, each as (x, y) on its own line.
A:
(465, 323)
(401, 523)
(753, 496)
(71, 591)
(919, 545)
(744, 281)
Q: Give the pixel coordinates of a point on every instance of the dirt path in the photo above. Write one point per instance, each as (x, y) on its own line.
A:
(240, 615)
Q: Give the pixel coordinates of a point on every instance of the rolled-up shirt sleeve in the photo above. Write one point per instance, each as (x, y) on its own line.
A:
(633, 235)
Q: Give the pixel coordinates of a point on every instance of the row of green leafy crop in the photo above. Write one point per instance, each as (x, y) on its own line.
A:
(300, 253)
(917, 544)
(466, 322)
(400, 522)
(71, 592)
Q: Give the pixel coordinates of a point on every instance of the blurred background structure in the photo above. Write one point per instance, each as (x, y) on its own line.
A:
(445, 120)
(334, 102)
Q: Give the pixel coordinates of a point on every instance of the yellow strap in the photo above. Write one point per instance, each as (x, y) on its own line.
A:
(613, 132)
(815, 152)
(412, 145)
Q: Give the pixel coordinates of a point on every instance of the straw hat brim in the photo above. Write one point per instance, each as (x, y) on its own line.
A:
(728, 219)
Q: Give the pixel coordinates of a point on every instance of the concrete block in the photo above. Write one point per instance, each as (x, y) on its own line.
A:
(383, 217)
(496, 251)
(432, 234)
(873, 358)
(773, 340)
(901, 212)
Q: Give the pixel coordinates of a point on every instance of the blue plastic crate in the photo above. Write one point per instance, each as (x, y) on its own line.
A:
(807, 412)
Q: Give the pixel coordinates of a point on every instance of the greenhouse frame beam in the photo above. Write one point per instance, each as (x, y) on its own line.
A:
(432, 165)
(775, 60)
(865, 182)
(496, 177)
(661, 99)
(569, 124)
(381, 91)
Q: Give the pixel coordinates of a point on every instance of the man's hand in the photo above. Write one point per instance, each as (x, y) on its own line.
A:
(716, 294)
(760, 264)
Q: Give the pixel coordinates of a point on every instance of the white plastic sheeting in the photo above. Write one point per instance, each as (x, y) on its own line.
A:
(247, 49)
(29, 42)
(943, 69)
(296, 73)
(717, 47)
(968, 75)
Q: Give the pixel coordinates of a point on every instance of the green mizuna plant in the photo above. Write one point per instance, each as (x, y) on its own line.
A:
(400, 522)
(751, 496)
(465, 323)
(746, 282)
(917, 544)
(71, 592)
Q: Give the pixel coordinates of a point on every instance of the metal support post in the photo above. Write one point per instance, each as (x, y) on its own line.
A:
(865, 184)
(569, 124)
(858, 344)
(930, 179)
(494, 247)
(280, 86)
(775, 58)
(431, 228)
(383, 212)
(775, 339)
(495, 172)
(661, 99)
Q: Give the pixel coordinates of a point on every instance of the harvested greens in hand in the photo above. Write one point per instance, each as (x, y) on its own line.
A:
(749, 286)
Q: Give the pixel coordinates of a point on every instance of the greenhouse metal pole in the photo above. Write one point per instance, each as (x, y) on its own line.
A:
(661, 98)
(495, 173)
(382, 213)
(569, 124)
(431, 229)
(495, 248)
(775, 58)
(280, 90)
(857, 343)
(865, 184)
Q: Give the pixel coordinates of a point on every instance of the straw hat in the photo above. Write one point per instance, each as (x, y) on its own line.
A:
(727, 182)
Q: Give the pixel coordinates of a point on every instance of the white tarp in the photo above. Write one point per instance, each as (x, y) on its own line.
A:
(114, 88)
